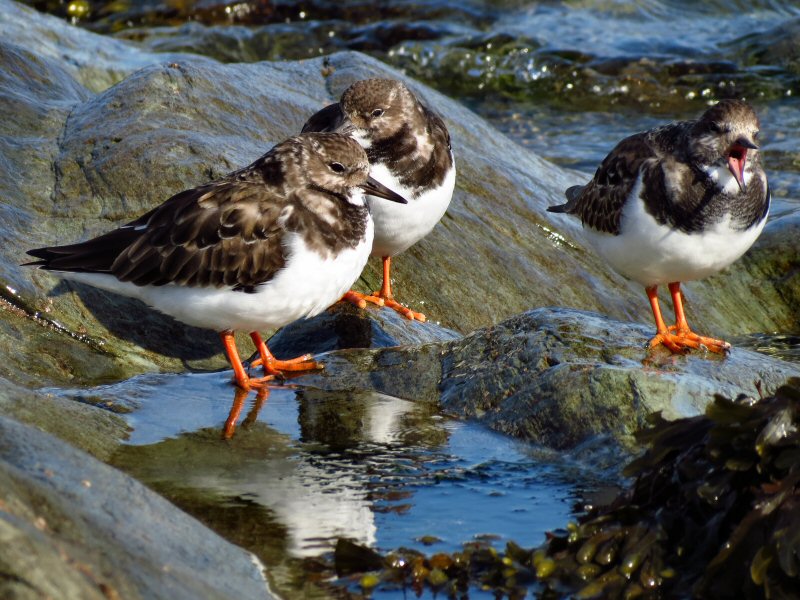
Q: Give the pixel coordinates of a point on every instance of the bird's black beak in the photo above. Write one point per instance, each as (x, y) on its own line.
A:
(746, 143)
(346, 127)
(376, 188)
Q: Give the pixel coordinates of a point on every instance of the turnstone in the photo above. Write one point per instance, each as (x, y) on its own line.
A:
(278, 240)
(677, 203)
(408, 146)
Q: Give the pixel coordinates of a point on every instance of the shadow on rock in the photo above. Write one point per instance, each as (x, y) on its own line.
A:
(344, 326)
(133, 321)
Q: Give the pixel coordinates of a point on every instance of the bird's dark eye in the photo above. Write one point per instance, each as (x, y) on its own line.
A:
(714, 127)
(337, 167)
(377, 112)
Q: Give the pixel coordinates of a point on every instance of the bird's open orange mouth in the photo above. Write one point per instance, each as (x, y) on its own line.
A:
(737, 158)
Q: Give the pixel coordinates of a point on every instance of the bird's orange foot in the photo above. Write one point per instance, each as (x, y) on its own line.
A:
(403, 310)
(380, 299)
(293, 365)
(252, 383)
(681, 341)
(360, 300)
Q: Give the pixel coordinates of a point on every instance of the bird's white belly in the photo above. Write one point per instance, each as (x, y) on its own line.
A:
(654, 254)
(306, 286)
(400, 226)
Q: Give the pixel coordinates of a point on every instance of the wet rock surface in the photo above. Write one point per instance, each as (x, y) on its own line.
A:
(74, 527)
(557, 377)
(344, 326)
(542, 72)
(91, 428)
(560, 377)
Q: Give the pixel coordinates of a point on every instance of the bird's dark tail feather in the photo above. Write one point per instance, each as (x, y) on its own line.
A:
(559, 208)
(92, 256)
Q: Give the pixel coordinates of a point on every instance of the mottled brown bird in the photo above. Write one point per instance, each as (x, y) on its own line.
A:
(409, 151)
(279, 240)
(677, 203)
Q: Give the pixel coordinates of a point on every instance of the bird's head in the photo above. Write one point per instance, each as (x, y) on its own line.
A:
(378, 108)
(336, 163)
(725, 136)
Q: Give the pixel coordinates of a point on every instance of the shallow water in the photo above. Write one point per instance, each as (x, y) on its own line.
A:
(309, 467)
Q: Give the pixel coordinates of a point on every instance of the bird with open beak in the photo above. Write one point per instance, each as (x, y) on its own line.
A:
(677, 203)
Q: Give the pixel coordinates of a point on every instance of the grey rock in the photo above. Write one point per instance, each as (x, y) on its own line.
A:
(66, 419)
(95, 61)
(345, 326)
(241, 43)
(557, 377)
(73, 527)
(779, 46)
(560, 376)
(409, 372)
(103, 131)
(83, 158)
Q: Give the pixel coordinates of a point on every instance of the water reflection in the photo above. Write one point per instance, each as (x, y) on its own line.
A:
(313, 481)
(288, 471)
(239, 398)
(784, 346)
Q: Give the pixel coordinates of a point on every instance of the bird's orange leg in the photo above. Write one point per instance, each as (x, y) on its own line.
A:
(385, 294)
(682, 330)
(240, 377)
(236, 408)
(273, 366)
(663, 335)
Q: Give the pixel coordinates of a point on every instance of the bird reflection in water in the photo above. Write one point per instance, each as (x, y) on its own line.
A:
(239, 398)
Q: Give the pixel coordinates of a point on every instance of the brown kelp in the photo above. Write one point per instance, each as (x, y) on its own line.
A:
(713, 511)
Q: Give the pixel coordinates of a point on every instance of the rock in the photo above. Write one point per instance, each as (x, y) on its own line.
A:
(712, 494)
(66, 419)
(93, 61)
(73, 527)
(103, 131)
(560, 376)
(557, 377)
(768, 276)
(345, 326)
(83, 159)
(776, 47)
